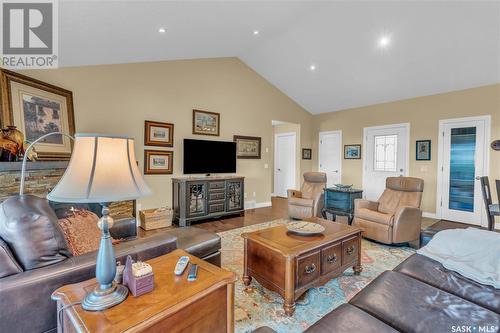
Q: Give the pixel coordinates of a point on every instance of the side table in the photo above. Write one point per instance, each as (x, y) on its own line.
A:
(339, 201)
(175, 305)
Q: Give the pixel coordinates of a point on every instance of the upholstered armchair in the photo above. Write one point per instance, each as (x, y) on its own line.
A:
(309, 200)
(396, 216)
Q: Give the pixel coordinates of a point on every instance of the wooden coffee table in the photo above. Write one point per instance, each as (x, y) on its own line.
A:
(290, 264)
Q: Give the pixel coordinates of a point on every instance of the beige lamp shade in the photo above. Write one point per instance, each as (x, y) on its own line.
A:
(102, 169)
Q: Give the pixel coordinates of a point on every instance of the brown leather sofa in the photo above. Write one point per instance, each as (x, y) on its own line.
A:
(396, 216)
(309, 200)
(419, 296)
(26, 282)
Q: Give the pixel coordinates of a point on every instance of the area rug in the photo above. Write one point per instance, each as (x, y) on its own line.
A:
(260, 307)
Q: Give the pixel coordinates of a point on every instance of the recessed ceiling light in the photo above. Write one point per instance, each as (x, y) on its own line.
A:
(312, 68)
(162, 30)
(256, 32)
(384, 41)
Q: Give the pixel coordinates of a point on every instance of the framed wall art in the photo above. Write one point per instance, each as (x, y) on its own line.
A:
(37, 108)
(352, 152)
(423, 150)
(306, 153)
(158, 134)
(158, 162)
(206, 123)
(247, 146)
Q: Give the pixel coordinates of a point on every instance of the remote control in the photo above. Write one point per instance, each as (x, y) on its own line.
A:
(193, 272)
(181, 265)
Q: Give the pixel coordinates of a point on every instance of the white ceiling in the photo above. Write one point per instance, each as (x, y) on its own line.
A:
(435, 46)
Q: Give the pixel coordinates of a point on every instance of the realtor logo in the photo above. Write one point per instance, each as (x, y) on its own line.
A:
(29, 36)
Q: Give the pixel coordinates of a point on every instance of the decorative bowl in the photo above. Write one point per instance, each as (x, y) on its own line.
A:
(343, 187)
(305, 228)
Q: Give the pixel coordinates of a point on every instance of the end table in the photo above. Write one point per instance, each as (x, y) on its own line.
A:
(338, 201)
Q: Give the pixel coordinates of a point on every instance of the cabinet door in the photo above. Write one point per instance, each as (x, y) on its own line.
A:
(196, 199)
(234, 195)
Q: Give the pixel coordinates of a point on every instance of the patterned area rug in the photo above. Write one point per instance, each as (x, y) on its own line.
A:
(260, 307)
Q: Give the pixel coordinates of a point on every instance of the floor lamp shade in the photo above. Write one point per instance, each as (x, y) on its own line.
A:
(102, 169)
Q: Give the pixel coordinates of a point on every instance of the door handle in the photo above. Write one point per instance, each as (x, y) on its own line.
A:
(279, 169)
(478, 178)
(336, 171)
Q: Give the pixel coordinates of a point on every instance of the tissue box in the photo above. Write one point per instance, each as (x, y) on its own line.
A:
(137, 285)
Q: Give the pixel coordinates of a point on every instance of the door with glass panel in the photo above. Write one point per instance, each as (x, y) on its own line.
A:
(386, 155)
(462, 163)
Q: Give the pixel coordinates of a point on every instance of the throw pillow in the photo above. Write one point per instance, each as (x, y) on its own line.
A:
(81, 232)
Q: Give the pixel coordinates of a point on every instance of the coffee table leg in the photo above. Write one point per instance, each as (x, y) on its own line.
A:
(357, 269)
(289, 306)
(247, 280)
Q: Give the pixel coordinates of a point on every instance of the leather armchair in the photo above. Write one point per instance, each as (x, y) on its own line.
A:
(309, 200)
(396, 216)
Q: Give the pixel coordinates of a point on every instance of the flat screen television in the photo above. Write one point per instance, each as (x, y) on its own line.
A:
(203, 156)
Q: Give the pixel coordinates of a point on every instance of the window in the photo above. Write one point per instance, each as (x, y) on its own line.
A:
(385, 152)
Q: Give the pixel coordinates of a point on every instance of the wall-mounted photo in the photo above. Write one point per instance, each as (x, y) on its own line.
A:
(423, 150)
(306, 153)
(352, 152)
(158, 134)
(247, 146)
(206, 123)
(158, 162)
(37, 108)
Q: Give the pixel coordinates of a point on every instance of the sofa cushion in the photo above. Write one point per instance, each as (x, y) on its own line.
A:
(81, 232)
(375, 216)
(409, 305)
(196, 241)
(8, 264)
(300, 202)
(433, 273)
(29, 226)
(348, 319)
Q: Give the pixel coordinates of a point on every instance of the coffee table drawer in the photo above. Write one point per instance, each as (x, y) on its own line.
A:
(308, 268)
(350, 249)
(331, 258)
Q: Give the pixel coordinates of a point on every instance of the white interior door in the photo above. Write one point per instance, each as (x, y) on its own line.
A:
(386, 154)
(284, 163)
(462, 152)
(330, 156)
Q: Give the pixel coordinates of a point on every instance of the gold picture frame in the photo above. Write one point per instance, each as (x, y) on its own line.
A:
(206, 123)
(158, 162)
(158, 134)
(37, 108)
(248, 147)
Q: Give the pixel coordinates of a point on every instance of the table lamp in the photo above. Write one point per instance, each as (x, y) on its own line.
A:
(102, 169)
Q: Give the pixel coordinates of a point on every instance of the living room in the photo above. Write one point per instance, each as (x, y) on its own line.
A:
(227, 132)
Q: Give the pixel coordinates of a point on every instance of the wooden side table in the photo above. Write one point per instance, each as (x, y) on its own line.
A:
(340, 202)
(175, 305)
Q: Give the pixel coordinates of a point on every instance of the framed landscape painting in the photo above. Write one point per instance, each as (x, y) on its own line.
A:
(37, 108)
(352, 152)
(158, 162)
(423, 150)
(306, 153)
(206, 123)
(247, 146)
(158, 134)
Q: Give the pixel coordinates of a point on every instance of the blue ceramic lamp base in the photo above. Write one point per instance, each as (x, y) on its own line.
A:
(99, 300)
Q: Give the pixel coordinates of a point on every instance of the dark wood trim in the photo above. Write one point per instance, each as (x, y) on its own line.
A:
(310, 153)
(255, 138)
(213, 113)
(149, 142)
(147, 168)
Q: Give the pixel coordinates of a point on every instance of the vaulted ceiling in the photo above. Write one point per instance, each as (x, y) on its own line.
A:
(432, 47)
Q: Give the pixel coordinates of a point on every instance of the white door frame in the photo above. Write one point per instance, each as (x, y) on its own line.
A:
(340, 150)
(276, 136)
(365, 145)
(486, 159)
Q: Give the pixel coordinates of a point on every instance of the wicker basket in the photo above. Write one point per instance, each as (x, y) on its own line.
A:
(156, 218)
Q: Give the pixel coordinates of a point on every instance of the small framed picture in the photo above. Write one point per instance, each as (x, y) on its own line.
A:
(158, 162)
(306, 153)
(352, 152)
(423, 150)
(247, 146)
(158, 134)
(206, 123)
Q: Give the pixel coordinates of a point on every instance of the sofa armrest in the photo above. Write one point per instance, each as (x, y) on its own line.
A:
(124, 228)
(362, 203)
(294, 193)
(407, 224)
(27, 295)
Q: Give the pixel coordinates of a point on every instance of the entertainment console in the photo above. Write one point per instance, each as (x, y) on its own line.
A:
(198, 198)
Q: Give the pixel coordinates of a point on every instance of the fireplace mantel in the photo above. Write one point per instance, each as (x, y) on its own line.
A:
(41, 165)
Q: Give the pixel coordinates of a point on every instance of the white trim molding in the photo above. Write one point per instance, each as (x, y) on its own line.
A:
(429, 215)
(252, 204)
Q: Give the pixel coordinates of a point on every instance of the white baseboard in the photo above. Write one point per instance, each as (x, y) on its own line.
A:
(252, 204)
(429, 215)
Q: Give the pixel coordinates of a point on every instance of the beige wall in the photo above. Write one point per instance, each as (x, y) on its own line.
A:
(423, 114)
(117, 99)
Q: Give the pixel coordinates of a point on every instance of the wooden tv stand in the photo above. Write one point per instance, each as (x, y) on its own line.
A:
(199, 198)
